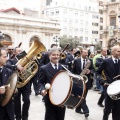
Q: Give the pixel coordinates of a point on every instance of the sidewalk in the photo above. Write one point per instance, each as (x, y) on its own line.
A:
(37, 109)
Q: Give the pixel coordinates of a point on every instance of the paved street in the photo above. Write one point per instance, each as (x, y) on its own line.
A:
(37, 108)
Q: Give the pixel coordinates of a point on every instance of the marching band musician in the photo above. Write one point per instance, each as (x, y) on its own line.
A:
(111, 67)
(78, 66)
(7, 111)
(70, 58)
(99, 60)
(20, 113)
(47, 73)
(10, 50)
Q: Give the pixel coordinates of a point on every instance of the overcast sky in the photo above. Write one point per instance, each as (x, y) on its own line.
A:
(34, 4)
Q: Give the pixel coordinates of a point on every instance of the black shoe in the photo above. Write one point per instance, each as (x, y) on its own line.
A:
(79, 111)
(101, 105)
(96, 89)
(36, 94)
(86, 115)
(24, 118)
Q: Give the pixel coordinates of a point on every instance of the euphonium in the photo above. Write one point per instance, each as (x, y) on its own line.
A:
(30, 66)
(88, 63)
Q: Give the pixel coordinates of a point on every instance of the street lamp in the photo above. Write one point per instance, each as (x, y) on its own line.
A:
(56, 39)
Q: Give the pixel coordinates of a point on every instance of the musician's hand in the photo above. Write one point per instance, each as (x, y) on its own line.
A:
(16, 91)
(20, 68)
(2, 89)
(106, 84)
(44, 92)
(87, 71)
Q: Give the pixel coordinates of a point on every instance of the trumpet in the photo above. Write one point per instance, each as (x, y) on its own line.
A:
(63, 56)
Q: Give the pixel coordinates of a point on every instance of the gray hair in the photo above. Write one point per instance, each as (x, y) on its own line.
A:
(53, 50)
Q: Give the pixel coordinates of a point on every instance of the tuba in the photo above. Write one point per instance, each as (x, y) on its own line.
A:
(39, 55)
(30, 66)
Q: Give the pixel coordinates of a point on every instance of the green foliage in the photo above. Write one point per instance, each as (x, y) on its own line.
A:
(98, 46)
(73, 42)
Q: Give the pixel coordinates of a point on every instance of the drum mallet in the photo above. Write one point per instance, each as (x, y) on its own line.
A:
(47, 86)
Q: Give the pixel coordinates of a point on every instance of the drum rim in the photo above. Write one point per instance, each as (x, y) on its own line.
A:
(109, 87)
(60, 104)
(83, 95)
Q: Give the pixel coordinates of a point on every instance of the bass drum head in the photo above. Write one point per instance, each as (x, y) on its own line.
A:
(114, 88)
(60, 88)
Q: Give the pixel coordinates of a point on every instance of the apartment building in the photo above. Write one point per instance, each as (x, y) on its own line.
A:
(78, 18)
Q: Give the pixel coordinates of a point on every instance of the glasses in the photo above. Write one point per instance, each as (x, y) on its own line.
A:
(10, 49)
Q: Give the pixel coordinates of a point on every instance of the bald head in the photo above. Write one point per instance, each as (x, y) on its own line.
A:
(115, 51)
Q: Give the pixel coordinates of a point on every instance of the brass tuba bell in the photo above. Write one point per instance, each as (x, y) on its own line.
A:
(39, 55)
(30, 66)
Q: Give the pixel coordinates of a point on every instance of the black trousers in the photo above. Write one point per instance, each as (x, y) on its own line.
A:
(111, 106)
(102, 97)
(25, 93)
(34, 81)
(7, 112)
(83, 105)
(54, 113)
(4, 115)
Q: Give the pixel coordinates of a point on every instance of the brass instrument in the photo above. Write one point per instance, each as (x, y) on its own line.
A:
(39, 56)
(30, 66)
(103, 75)
(77, 54)
(88, 63)
(62, 54)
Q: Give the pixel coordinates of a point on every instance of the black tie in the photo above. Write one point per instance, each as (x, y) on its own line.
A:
(0, 70)
(83, 64)
(55, 67)
(1, 80)
(116, 66)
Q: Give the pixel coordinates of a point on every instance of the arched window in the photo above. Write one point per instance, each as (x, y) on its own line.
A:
(6, 40)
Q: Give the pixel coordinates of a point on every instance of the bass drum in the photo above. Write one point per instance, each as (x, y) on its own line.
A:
(113, 90)
(11, 85)
(67, 90)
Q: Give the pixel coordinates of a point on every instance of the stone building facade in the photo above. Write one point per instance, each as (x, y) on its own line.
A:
(111, 23)
(19, 27)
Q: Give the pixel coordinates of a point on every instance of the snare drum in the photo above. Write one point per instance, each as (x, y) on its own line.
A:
(113, 90)
(67, 90)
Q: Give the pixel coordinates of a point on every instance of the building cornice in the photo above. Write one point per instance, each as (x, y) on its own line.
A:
(22, 21)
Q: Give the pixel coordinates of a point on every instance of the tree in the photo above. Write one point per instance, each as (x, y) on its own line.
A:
(73, 42)
(98, 46)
